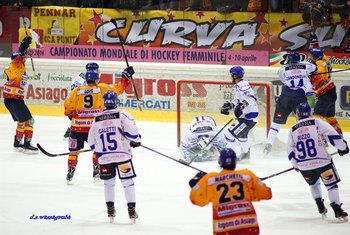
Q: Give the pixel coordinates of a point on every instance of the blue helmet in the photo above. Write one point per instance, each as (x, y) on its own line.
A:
(303, 110)
(293, 57)
(237, 71)
(92, 66)
(227, 159)
(110, 99)
(317, 53)
(91, 76)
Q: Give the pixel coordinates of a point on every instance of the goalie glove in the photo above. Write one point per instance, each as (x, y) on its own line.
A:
(226, 107)
(345, 151)
(204, 142)
(128, 72)
(196, 178)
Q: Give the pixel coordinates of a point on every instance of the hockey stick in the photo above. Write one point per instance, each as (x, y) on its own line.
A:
(25, 29)
(336, 71)
(285, 171)
(212, 139)
(114, 21)
(59, 154)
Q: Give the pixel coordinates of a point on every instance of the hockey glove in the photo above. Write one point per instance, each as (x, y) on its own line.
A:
(226, 107)
(345, 151)
(25, 45)
(238, 110)
(135, 144)
(128, 72)
(196, 178)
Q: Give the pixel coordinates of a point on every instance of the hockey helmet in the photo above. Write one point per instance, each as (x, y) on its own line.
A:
(293, 57)
(91, 76)
(316, 53)
(227, 159)
(110, 99)
(237, 71)
(92, 66)
(303, 110)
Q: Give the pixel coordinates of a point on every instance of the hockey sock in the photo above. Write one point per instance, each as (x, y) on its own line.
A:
(333, 194)
(334, 123)
(28, 129)
(109, 186)
(20, 130)
(94, 158)
(274, 129)
(244, 144)
(129, 190)
(316, 189)
(72, 160)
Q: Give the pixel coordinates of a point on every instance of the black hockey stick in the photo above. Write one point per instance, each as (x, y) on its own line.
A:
(162, 154)
(25, 30)
(336, 71)
(213, 138)
(59, 154)
(114, 21)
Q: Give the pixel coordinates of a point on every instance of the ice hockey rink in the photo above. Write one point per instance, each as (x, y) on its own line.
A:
(35, 185)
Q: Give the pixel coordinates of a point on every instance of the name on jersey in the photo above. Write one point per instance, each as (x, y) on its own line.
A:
(302, 124)
(233, 208)
(107, 116)
(295, 66)
(107, 129)
(228, 177)
(88, 91)
(304, 137)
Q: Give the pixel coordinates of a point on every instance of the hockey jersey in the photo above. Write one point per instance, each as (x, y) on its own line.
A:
(84, 102)
(16, 77)
(321, 80)
(306, 149)
(107, 141)
(295, 78)
(243, 93)
(231, 193)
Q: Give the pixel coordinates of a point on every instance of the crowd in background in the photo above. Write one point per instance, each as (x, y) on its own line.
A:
(337, 6)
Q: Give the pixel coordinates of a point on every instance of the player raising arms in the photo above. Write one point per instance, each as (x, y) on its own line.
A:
(296, 86)
(114, 152)
(13, 93)
(308, 155)
(82, 104)
(245, 109)
(231, 193)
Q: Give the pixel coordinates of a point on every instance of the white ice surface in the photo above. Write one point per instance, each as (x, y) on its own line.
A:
(35, 184)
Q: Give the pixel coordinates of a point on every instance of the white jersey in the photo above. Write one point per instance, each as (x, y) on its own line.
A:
(104, 136)
(296, 77)
(243, 93)
(78, 81)
(201, 126)
(306, 149)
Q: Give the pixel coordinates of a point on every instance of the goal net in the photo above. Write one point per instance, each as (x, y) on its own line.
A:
(195, 98)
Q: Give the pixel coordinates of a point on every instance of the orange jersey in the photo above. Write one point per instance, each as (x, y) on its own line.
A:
(85, 101)
(322, 82)
(231, 193)
(16, 77)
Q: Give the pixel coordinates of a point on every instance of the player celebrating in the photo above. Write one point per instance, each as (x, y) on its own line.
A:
(196, 145)
(114, 152)
(245, 110)
(13, 93)
(296, 87)
(231, 193)
(308, 155)
(82, 104)
(324, 88)
(78, 81)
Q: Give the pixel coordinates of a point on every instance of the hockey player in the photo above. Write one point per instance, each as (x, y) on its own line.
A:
(13, 93)
(296, 87)
(245, 111)
(324, 89)
(308, 155)
(114, 152)
(196, 145)
(80, 80)
(231, 193)
(82, 104)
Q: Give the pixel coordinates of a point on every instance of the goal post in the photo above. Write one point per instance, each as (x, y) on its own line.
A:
(205, 97)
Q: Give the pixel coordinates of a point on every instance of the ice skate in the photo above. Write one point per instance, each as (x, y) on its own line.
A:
(244, 156)
(339, 213)
(29, 148)
(321, 208)
(267, 148)
(96, 173)
(132, 213)
(110, 211)
(70, 174)
(66, 134)
(17, 144)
